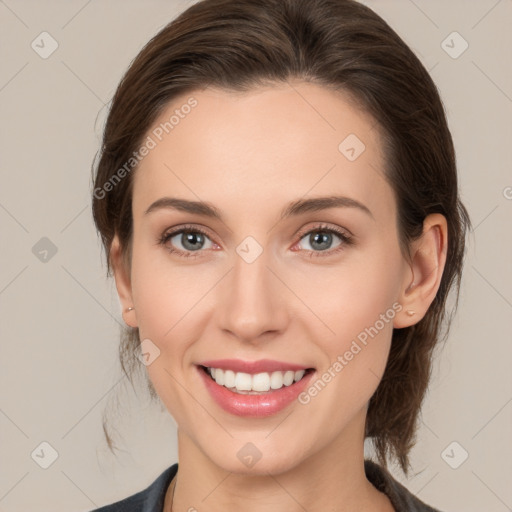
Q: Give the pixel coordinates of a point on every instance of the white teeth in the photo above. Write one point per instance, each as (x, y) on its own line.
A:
(229, 378)
(219, 376)
(276, 380)
(243, 382)
(288, 378)
(259, 382)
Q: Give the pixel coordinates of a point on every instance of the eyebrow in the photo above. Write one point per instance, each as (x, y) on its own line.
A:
(294, 208)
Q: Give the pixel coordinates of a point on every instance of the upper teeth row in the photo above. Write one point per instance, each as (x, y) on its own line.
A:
(257, 382)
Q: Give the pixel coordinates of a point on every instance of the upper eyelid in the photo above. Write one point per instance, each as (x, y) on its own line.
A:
(325, 226)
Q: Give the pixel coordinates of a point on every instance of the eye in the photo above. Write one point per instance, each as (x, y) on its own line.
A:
(188, 241)
(321, 240)
(190, 238)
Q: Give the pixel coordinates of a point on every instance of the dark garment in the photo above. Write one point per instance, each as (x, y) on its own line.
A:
(152, 498)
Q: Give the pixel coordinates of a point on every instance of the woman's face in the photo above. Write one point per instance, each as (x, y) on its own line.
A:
(267, 280)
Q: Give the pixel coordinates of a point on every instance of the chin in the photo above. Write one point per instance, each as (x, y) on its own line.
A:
(258, 457)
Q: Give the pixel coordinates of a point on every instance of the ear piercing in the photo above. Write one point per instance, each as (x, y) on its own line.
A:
(410, 312)
(129, 309)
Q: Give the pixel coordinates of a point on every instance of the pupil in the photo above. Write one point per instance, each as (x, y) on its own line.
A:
(323, 237)
(191, 239)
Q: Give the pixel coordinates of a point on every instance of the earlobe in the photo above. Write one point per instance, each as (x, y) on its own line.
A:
(427, 266)
(123, 283)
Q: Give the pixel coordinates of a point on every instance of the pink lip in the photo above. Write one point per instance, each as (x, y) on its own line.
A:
(256, 406)
(252, 367)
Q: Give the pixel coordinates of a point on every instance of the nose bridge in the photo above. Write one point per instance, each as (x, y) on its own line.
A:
(252, 301)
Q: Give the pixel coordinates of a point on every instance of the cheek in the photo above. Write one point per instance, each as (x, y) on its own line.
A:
(353, 295)
(165, 296)
(357, 302)
(360, 311)
(163, 292)
(170, 301)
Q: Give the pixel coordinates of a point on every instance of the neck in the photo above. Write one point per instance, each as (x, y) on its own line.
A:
(330, 479)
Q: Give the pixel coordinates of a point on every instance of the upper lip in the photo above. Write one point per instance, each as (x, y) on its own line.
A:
(252, 367)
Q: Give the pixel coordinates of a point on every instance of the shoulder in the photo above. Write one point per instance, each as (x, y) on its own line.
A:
(401, 498)
(150, 499)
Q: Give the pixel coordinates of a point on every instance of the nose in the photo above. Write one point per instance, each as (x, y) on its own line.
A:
(253, 301)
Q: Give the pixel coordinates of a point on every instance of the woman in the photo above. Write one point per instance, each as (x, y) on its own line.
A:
(277, 198)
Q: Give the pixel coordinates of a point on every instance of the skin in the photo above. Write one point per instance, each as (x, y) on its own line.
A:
(250, 154)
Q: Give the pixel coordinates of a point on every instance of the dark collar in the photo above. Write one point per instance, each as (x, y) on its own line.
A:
(401, 499)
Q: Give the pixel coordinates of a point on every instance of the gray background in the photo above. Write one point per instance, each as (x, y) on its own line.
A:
(59, 316)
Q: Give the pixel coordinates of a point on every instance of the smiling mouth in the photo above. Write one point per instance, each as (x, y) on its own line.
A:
(255, 384)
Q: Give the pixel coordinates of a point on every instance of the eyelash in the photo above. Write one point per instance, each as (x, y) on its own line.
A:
(346, 240)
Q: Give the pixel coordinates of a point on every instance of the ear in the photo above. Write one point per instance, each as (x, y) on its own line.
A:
(122, 279)
(426, 270)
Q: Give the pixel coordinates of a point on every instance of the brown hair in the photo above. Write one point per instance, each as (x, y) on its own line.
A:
(340, 44)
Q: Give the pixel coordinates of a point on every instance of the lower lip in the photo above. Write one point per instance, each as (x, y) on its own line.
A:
(256, 406)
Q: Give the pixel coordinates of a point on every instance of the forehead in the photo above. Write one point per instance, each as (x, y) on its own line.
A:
(266, 146)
